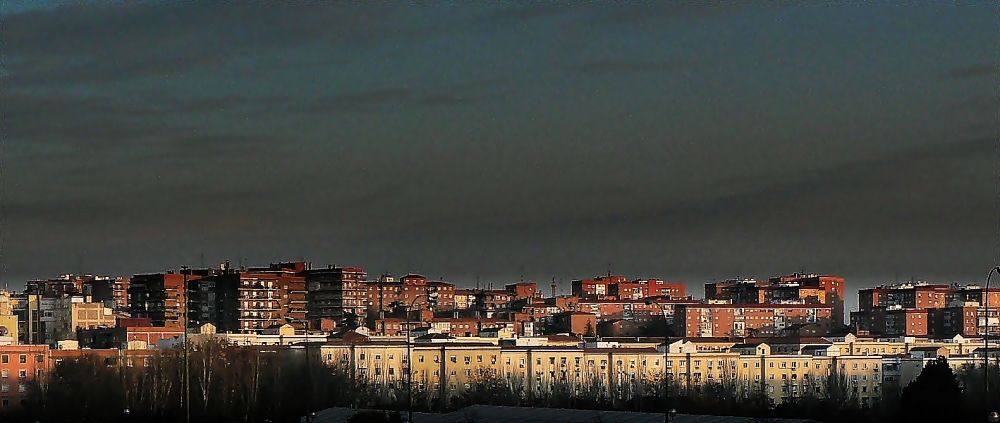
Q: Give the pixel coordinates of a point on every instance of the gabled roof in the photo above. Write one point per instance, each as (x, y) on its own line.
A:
(349, 335)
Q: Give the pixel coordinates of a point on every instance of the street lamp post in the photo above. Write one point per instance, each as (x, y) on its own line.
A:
(669, 415)
(409, 355)
(992, 417)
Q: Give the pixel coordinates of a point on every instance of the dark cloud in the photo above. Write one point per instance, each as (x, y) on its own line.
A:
(974, 71)
(105, 42)
(606, 66)
(463, 141)
(981, 103)
(637, 14)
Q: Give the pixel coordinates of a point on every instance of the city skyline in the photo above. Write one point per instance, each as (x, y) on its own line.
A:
(563, 285)
(687, 142)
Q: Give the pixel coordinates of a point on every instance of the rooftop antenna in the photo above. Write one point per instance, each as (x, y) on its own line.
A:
(553, 287)
(609, 270)
(477, 281)
(202, 258)
(522, 273)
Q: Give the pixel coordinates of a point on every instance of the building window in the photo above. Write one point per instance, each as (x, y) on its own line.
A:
(5, 388)
(4, 359)
(22, 373)
(5, 373)
(22, 388)
(23, 359)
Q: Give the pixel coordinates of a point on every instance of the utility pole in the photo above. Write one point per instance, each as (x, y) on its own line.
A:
(187, 349)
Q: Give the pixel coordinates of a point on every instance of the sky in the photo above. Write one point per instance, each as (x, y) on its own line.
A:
(494, 141)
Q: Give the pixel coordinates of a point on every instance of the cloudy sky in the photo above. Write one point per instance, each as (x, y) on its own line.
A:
(688, 141)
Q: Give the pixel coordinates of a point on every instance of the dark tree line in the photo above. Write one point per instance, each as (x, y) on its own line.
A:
(227, 384)
(230, 384)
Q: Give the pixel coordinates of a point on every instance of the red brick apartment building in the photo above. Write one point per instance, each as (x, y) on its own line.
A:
(523, 290)
(620, 288)
(237, 301)
(636, 310)
(18, 365)
(574, 322)
(924, 309)
(337, 293)
(748, 320)
(160, 297)
(413, 292)
(127, 330)
(113, 292)
(797, 288)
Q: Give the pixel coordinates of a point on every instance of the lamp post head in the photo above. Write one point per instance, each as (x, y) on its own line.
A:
(993, 417)
(127, 412)
(672, 413)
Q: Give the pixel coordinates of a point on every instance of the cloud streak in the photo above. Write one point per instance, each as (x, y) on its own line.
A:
(973, 72)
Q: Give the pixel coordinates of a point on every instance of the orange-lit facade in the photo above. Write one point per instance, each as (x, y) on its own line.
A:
(410, 292)
(19, 364)
(161, 297)
(923, 309)
(620, 288)
(336, 293)
(738, 320)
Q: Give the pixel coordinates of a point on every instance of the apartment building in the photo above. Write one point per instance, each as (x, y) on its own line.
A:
(113, 292)
(464, 298)
(68, 284)
(162, 297)
(238, 301)
(523, 291)
(19, 364)
(797, 288)
(76, 313)
(448, 366)
(409, 293)
(925, 309)
(735, 320)
(487, 302)
(642, 311)
(336, 293)
(643, 288)
(129, 337)
(614, 287)
(597, 288)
